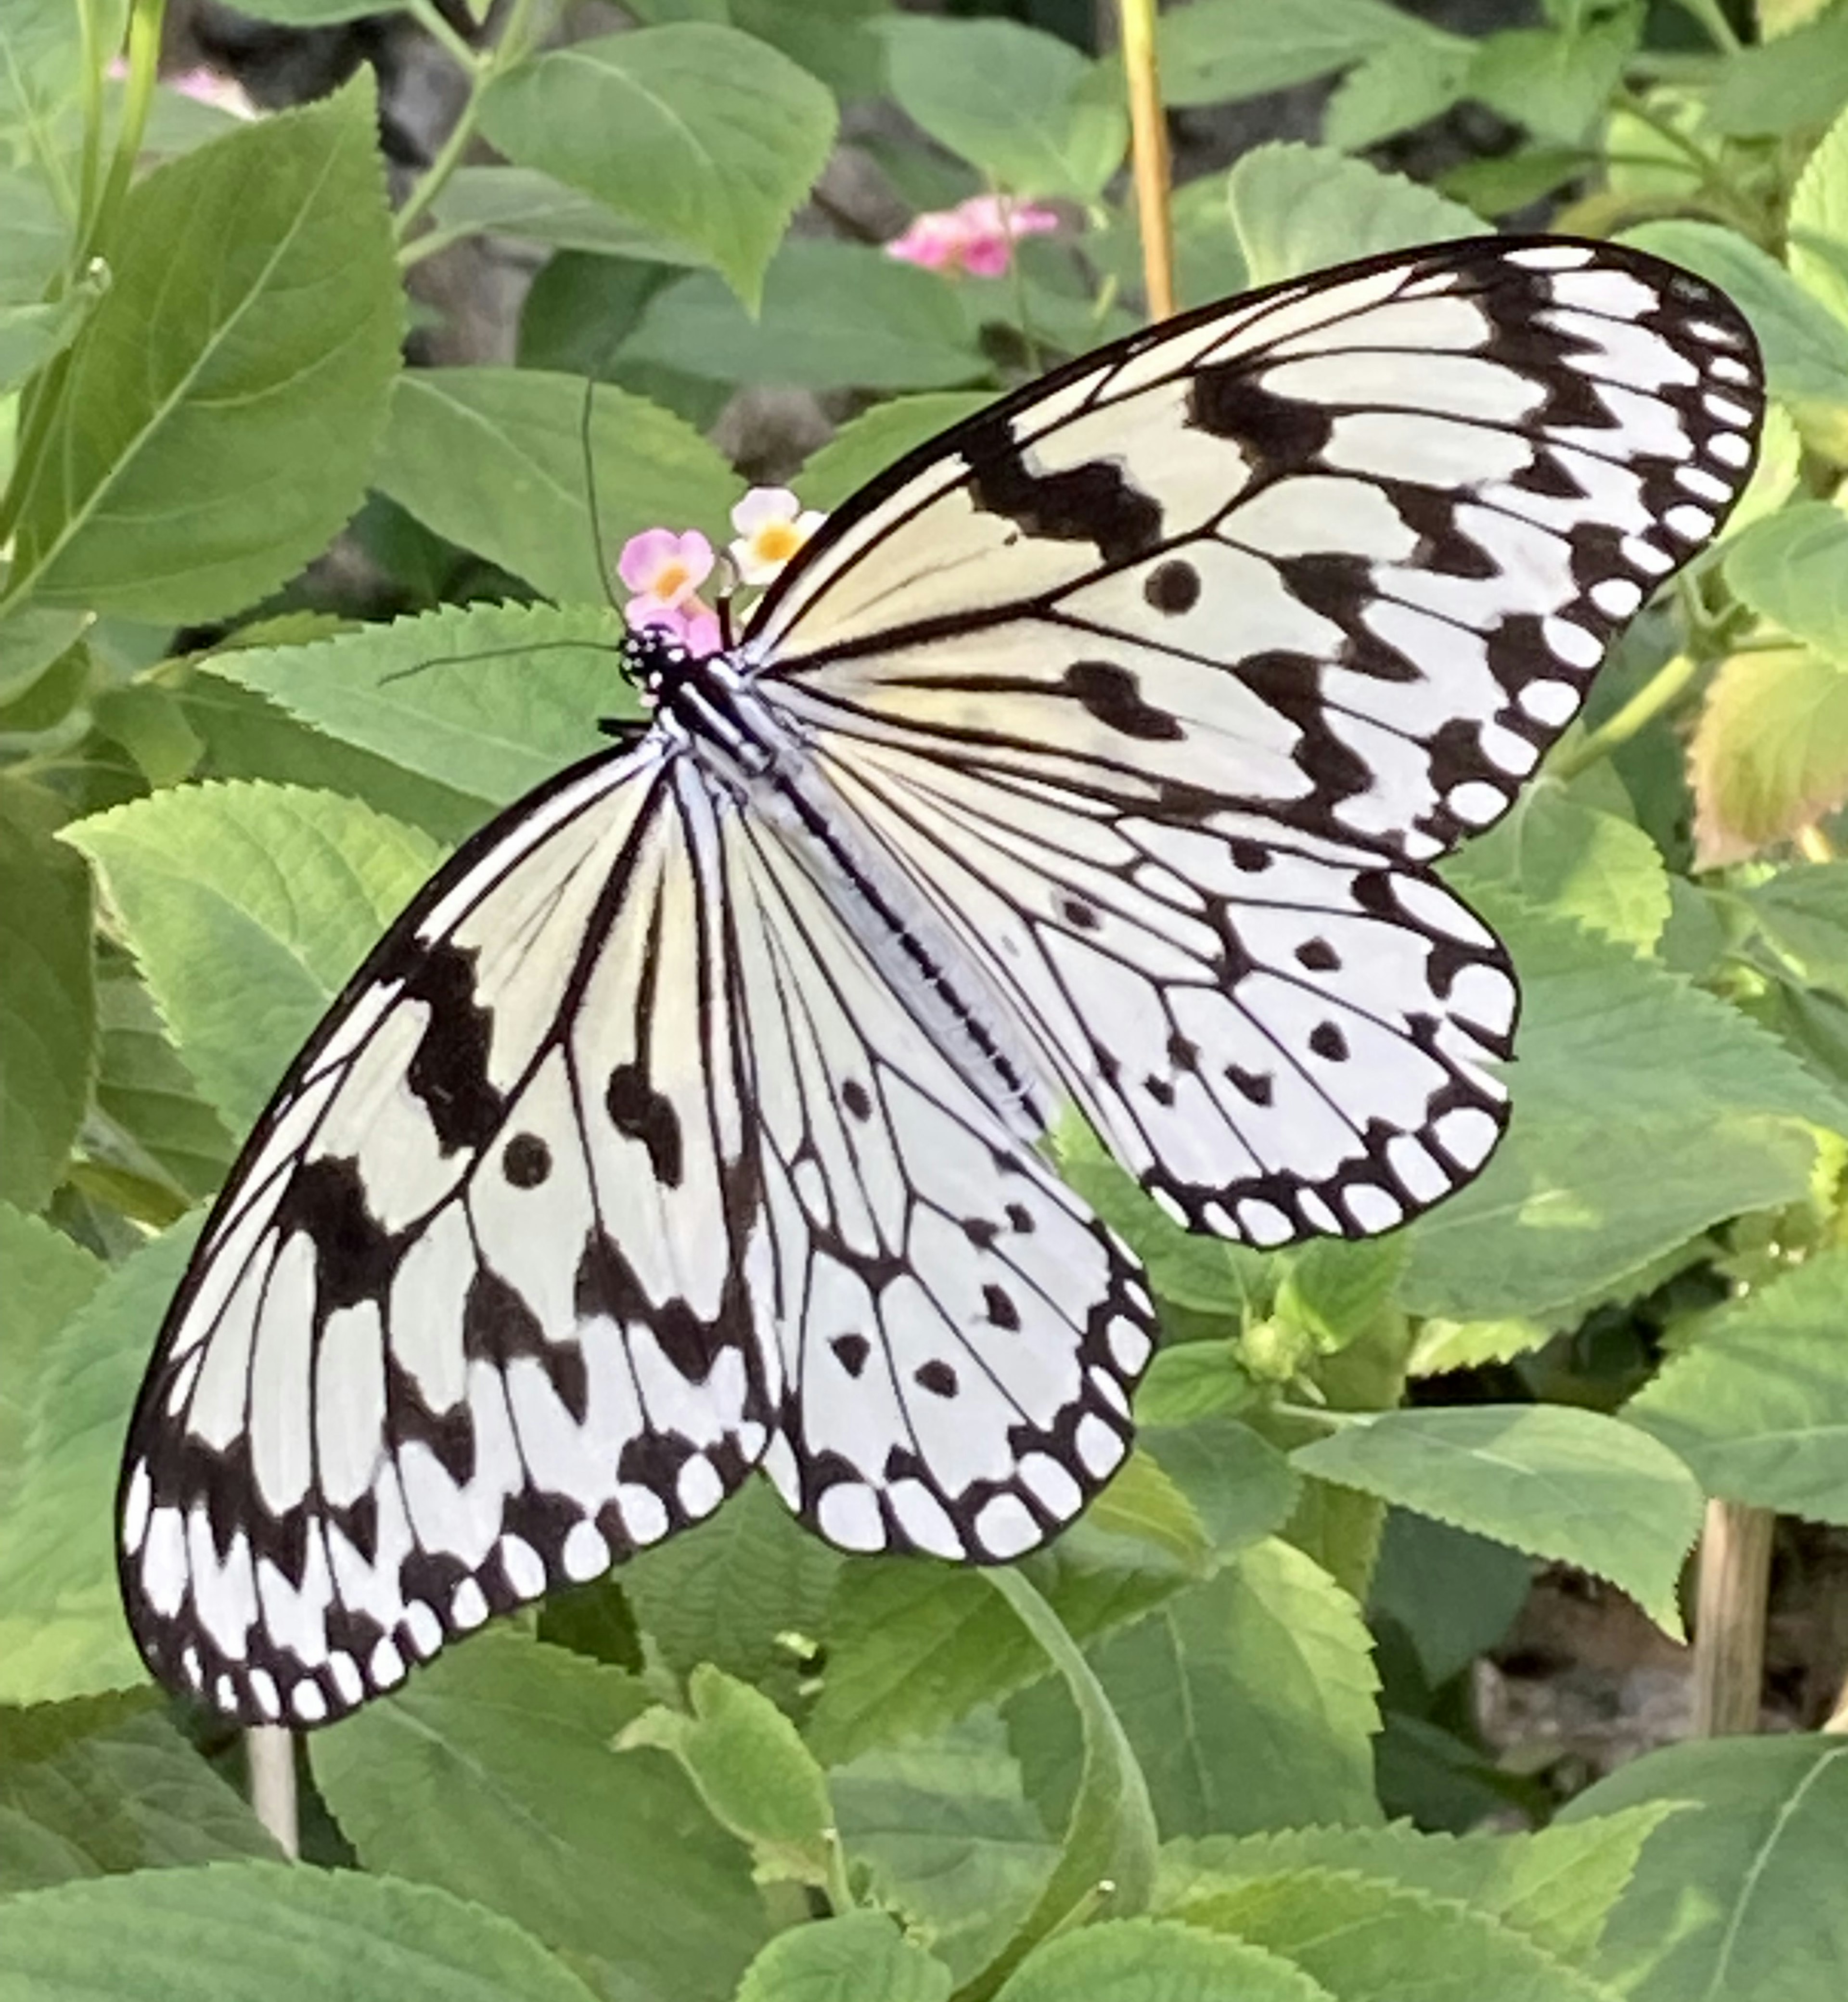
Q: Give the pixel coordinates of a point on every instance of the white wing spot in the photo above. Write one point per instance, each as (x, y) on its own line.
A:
(848, 1517)
(1571, 644)
(1467, 1136)
(585, 1555)
(1099, 1448)
(1128, 1345)
(644, 1514)
(307, 1701)
(263, 1686)
(698, 1487)
(1051, 1483)
(1620, 596)
(346, 1677)
(1006, 1527)
(1419, 1174)
(135, 1502)
(1695, 525)
(524, 1568)
(1553, 703)
(1371, 1207)
(468, 1604)
(387, 1666)
(423, 1628)
(1264, 1223)
(1729, 448)
(1475, 802)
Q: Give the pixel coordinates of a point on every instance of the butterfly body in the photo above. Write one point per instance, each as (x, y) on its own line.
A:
(1090, 762)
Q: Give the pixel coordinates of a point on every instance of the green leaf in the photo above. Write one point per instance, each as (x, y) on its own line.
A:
(1020, 104)
(494, 699)
(247, 907)
(948, 1837)
(694, 131)
(1556, 84)
(1240, 1486)
(1817, 222)
(35, 235)
(31, 335)
(1452, 1594)
(32, 641)
(216, 422)
(1557, 1886)
(1796, 81)
(47, 1012)
(1805, 346)
(1803, 912)
(1549, 1479)
(1566, 856)
(752, 1771)
(880, 437)
(1402, 84)
(1736, 1895)
(1151, 1960)
(1510, 181)
(521, 201)
(1362, 1936)
(1442, 1345)
(1195, 1380)
(833, 316)
(1644, 1111)
(297, 1935)
(48, 1278)
(1757, 1404)
(1336, 1292)
(729, 1590)
(495, 459)
(493, 1774)
(1789, 568)
(62, 1629)
(1770, 752)
(1219, 51)
(42, 57)
(1301, 208)
(1249, 1697)
(859, 1957)
(107, 1783)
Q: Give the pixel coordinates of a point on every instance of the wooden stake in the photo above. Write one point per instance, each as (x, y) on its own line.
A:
(1148, 154)
(1729, 1619)
(269, 1750)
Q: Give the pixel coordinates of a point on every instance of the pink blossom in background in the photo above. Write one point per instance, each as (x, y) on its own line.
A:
(664, 570)
(773, 524)
(977, 236)
(205, 86)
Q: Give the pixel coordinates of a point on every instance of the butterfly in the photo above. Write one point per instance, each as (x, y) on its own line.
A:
(1089, 763)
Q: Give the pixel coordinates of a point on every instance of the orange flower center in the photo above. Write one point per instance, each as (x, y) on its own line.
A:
(776, 541)
(671, 580)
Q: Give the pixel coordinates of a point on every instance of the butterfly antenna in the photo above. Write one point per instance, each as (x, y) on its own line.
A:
(593, 376)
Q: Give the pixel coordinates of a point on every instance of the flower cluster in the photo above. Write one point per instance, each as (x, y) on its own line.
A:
(205, 86)
(977, 236)
(664, 570)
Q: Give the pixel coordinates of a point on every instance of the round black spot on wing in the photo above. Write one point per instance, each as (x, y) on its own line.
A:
(1318, 956)
(1002, 1310)
(1021, 1218)
(851, 1351)
(853, 1095)
(1173, 587)
(938, 1378)
(527, 1161)
(1080, 913)
(1327, 1040)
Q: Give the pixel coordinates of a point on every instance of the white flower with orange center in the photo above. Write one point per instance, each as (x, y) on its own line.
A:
(772, 525)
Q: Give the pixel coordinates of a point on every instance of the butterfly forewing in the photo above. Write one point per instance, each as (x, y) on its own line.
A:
(477, 1314)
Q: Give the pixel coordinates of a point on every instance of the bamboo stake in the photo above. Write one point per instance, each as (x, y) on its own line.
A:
(270, 1750)
(1729, 1618)
(1148, 154)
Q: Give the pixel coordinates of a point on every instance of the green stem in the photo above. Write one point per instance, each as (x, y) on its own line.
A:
(483, 69)
(1714, 184)
(1710, 16)
(1659, 693)
(137, 96)
(430, 20)
(95, 60)
(1018, 278)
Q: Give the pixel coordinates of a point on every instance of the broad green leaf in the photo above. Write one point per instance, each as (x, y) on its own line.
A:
(833, 316)
(879, 437)
(1018, 103)
(948, 1836)
(1452, 1594)
(1789, 568)
(858, 1957)
(1804, 912)
(1151, 1960)
(1817, 222)
(1199, 1379)
(1249, 1697)
(48, 1278)
(31, 335)
(694, 131)
(1557, 1886)
(1770, 752)
(1510, 181)
(1798, 80)
(1216, 51)
(496, 459)
(216, 422)
(289, 1933)
(1401, 84)
(32, 641)
(35, 235)
(752, 1771)
(1644, 1111)
(1549, 1479)
(735, 1589)
(1737, 1894)
(1444, 1345)
(42, 57)
(1805, 346)
(495, 1774)
(492, 699)
(106, 1783)
(1367, 1937)
(1757, 1403)
(1336, 1290)
(247, 907)
(1301, 208)
(47, 1012)
(62, 1630)
(1556, 83)
(520, 201)
(1565, 856)
(1145, 1513)
(1240, 1486)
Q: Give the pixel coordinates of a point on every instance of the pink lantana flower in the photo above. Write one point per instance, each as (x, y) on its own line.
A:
(665, 571)
(977, 236)
(773, 524)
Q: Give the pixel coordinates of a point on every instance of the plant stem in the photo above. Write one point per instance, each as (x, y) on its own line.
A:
(483, 68)
(430, 20)
(1149, 154)
(137, 94)
(1656, 695)
(1729, 1618)
(90, 171)
(1710, 16)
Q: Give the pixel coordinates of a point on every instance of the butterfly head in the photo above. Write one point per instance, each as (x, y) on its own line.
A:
(654, 658)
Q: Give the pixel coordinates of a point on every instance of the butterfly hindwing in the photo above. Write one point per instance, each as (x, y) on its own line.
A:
(474, 1317)
(960, 1335)
(1345, 553)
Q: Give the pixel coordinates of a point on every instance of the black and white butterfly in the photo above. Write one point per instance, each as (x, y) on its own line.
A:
(1091, 760)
